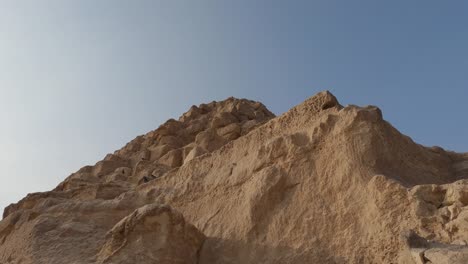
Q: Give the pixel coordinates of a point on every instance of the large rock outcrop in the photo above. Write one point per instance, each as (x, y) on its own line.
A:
(230, 183)
(152, 234)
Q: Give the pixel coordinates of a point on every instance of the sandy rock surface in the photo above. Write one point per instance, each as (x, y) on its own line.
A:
(152, 234)
(228, 182)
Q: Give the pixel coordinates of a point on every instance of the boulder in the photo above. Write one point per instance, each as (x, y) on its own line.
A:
(152, 234)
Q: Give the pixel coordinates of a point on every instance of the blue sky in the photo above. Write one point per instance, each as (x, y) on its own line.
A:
(79, 79)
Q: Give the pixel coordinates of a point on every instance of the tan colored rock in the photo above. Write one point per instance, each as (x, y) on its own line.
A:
(186, 150)
(152, 234)
(195, 152)
(159, 171)
(107, 166)
(125, 171)
(173, 158)
(195, 128)
(158, 151)
(210, 140)
(230, 132)
(457, 192)
(171, 127)
(170, 140)
(223, 119)
(141, 155)
(449, 255)
(321, 183)
(248, 125)
(461, 168)
(120, 174)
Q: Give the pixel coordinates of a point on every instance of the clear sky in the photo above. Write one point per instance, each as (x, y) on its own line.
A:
(79, 79)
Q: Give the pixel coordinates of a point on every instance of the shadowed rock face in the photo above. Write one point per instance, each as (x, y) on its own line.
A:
(228, 182)
(152, 234)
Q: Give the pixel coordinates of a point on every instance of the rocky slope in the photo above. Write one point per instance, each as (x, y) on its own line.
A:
(231, 183)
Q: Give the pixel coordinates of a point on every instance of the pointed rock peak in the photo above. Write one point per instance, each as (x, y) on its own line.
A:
(243, 108)
(202, 129)
(322, 101)
(324, 174)
(319, 102)
(329, 99)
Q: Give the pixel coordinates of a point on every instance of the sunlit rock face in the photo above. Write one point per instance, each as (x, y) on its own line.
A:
(228, 182)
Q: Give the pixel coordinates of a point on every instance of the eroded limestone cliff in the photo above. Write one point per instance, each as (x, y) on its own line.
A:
(231, 183)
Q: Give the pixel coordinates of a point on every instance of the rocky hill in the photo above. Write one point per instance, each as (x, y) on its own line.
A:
(231, 183)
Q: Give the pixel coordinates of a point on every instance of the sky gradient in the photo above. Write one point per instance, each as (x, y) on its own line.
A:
(79, 79)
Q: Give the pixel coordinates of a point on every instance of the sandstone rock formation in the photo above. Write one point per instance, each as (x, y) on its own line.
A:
(152, 234)
(231, 183)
